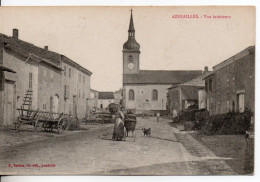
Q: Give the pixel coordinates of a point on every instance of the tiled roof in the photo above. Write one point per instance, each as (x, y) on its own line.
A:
(160, 77)
(75, 65)
(105, 95)
(118, 92)
(27, 49)
(14, 43)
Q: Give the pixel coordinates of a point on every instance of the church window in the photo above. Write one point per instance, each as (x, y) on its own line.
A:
(154, 95)
(131, 95)
(131, 59)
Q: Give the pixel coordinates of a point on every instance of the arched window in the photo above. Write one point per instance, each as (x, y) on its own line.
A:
(131, 95)
(154, 95)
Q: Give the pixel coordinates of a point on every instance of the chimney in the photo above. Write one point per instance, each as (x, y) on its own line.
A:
(46, 48)
(206, 69)
(15, 33)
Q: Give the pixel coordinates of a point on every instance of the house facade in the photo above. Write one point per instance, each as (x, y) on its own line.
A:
(145, 90)
(104, 99)
(118, 95)
(76, 88)
(39, 71)
(93, 100)
(230, 87)
(187, 95)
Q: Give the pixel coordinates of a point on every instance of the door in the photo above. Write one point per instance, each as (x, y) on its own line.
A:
(56, 103)
(9, 103)
(51, 104)
(241, 102)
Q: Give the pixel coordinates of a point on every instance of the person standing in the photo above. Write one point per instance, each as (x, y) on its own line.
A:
(157, 117)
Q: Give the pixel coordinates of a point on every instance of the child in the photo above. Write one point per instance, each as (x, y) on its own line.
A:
(157, 116)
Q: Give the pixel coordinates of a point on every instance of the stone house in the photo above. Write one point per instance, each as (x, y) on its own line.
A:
(187, 95)
(93, 100)
(118, 95)
(39, 70)
(104, 99)
(76, 87)
(231, 85)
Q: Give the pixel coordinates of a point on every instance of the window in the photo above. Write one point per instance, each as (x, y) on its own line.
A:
(228, 105)
(69, 72)
(66, 92)
(51, 79)
(131, 95)
(206, 85)
(79, 93)
(241, 102)
(210, 85)
(79, 77)
(64, 70)
(154, 95)
(44, 76)
(83, 79)
(131, 59)
(30, 80)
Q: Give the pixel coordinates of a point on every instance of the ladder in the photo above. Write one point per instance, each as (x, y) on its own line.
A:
(27, 102)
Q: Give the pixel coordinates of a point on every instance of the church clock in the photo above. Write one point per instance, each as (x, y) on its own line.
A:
(131, 51)
(130, 62)
(130, 66)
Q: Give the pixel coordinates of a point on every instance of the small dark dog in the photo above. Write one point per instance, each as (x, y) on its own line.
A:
(147, 132)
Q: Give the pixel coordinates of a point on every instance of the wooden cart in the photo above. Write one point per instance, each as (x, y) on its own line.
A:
(48, 120)
(130, 123)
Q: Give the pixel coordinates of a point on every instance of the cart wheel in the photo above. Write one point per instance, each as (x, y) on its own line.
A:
(63, 125)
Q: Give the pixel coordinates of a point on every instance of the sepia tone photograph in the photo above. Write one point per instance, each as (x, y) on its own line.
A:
(127, 90)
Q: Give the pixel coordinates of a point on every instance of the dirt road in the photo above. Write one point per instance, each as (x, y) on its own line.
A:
(93, 152)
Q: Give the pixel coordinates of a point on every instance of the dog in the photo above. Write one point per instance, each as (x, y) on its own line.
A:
(147, 132)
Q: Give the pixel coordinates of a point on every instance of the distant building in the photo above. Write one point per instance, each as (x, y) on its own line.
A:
(93, 100)
(187, 95)
(53, 78)
(118, 95)
(104, 99)
(231, 85)
(147, 89)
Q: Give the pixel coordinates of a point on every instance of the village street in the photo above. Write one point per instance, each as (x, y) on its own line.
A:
(167, 152)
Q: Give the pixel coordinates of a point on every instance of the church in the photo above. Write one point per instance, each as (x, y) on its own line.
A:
(146, 90)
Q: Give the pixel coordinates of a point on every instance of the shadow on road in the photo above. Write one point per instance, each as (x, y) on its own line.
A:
(163, 139)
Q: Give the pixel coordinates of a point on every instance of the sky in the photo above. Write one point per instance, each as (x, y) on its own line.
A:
(94, 36)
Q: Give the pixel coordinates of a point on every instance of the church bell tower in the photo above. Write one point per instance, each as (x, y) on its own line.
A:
(131, 51)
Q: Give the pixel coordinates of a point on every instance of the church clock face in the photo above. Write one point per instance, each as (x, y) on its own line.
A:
(130, 62)
(130, 65)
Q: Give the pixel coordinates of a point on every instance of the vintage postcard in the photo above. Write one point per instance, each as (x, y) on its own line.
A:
(127, 90)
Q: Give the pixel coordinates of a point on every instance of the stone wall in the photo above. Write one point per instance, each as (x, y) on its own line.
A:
(143, 97)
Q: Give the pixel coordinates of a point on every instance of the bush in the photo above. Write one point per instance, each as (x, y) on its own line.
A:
(229, 123)
(188, 115)
(74, 124)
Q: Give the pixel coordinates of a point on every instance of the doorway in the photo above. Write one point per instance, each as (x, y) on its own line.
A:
(9, 103)
(56, 103)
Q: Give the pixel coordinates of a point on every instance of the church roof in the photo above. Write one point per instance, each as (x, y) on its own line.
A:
(160, 77)
(131, 43)
(131, 24)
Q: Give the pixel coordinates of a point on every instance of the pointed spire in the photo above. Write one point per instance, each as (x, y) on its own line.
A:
(131, 43)
(131, 24)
